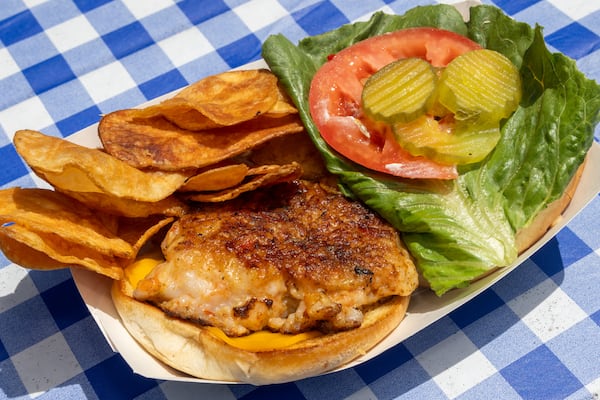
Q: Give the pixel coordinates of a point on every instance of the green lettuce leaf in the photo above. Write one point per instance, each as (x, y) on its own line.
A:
(460, 229)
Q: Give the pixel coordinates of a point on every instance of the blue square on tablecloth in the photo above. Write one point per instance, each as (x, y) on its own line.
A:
(25, 58)
(527, 376)
(48, 74)
(50, 14)
(111, 16)
(112, 379)
(581, 283)
(521, 279)
(21, 318)
(11, 385)
(126, 99)
(474, 309)
(68, 99)
(88, 56)
(208, 10)
(241, 51)
(596, 317)
(65, 304)
(218, 37)
(311, 18)
(562, 251)
(18, 27)
(45, 280)
(7, 85)
(578, 348)
(431, 335)
(11, 165)
(163, 84)
(384, 363)
(574, 40)
(494, 384)
(87, 5)
(154, 23)
(409, 379)
(514, 6)
(127, 40)
(496, 333)
(206, 65)
(87, 343)
(287, 391)
(147, 64)
(78, 121)
(3, 353)
(320, 387)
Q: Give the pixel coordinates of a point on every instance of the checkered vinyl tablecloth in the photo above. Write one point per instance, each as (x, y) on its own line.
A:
(535, 334)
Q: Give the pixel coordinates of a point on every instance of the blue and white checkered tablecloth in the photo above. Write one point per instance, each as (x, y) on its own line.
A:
(534, 335)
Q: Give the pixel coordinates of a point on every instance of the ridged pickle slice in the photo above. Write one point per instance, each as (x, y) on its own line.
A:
(480, 85)
(458, 143)
(400, 92)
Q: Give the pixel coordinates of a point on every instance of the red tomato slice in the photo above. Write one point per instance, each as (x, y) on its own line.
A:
(335, 99)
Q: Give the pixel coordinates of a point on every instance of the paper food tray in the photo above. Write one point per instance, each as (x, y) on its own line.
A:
(425, 307)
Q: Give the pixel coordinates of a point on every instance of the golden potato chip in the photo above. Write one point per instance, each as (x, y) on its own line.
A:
(180, 113)
(297, 147)
(224, 99)
(25, 256)
(264, 175)
(27, 248)
(137, 231)
(283, 106)
(171, 206)
(217, 178)
(68, 166)
(157, 143)
(46, 211)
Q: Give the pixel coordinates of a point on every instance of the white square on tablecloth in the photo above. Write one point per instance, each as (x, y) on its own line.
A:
(8, 66)
(255, 16)
(186, 46)
(46, 364)
(594, 388)
(15, 286)
(72, 33)
(28, 114)
(576, 9)
(107, 82)
(33, 3)
(456, 365)
(547, 310)
(141, 9)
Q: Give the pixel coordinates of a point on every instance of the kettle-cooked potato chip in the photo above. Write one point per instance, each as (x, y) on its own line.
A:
(41, 251)
(217, 178)
(137, 231)
(224, 99)
(261, 176)
(157, 143)
(49, 212)
(171, 206)
(68, 166)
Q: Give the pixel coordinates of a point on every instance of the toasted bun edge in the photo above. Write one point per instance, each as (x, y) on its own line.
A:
(190, 348)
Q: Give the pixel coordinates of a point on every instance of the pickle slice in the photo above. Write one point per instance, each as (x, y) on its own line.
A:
(400, 92)
(481, 85)
(454, 143)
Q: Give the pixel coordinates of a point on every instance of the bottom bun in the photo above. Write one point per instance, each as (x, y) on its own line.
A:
(192, 349)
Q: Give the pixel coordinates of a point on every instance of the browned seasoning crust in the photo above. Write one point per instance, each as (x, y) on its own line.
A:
(293, 258)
